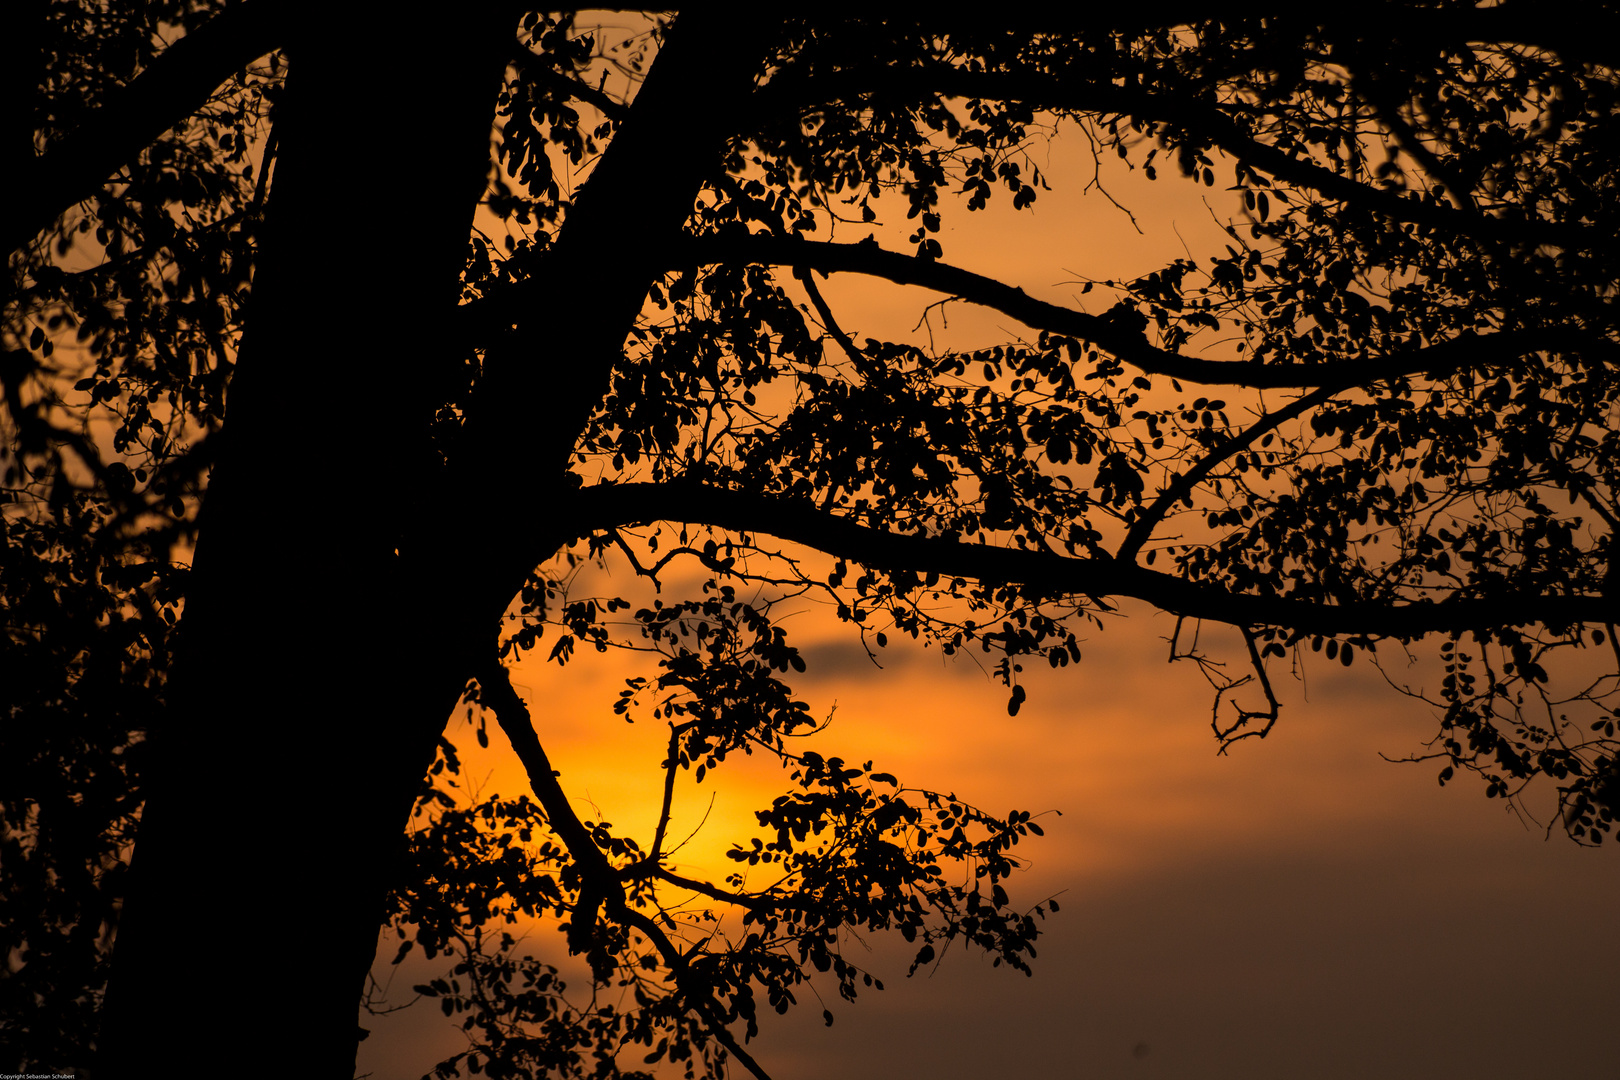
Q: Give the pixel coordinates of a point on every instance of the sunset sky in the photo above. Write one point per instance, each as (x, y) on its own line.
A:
(1297, 908)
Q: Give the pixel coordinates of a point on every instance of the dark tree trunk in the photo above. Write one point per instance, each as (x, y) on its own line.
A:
(319, 663)
(300, 710)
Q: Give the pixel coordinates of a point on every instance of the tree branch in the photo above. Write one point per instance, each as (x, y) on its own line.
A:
(754, 903)
(1127, 343)
(703, 1004)
(600, 885)
(1181, 487)
(607, 506)
(482, 321)
(175, 85)
(828, 319)
(565, 86)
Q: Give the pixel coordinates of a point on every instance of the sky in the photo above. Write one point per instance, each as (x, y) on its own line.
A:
(1299, 907)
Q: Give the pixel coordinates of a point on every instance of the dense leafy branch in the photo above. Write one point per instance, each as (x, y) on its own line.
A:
(176, 84)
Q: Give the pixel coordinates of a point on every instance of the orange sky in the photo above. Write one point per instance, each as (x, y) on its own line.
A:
(1298, 908)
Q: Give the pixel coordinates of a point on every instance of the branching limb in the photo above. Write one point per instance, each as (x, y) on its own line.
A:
(597, 876)
(1226, 735)
(1505, 348)
(670, 765)
(845, 342)
(481, 321)
(611, 505)
(708, 561)
(1389, 114)
(701, 1002)
(174, 86)
(1182, 486)
(563, 86)
(600, 884)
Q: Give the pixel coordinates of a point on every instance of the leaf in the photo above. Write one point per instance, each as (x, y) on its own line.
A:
(1016, 702)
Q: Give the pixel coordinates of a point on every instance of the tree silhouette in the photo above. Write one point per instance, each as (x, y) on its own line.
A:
(1379, 416)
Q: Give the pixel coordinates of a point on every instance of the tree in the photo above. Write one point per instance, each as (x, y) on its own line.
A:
(1380, 416)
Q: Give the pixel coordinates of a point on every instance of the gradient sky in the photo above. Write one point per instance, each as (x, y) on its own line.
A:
(1297, 908)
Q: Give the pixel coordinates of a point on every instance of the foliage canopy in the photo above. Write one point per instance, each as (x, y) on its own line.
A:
(1378, 421)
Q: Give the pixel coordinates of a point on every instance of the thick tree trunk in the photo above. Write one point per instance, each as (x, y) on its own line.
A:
(319, 664)
(300, 709)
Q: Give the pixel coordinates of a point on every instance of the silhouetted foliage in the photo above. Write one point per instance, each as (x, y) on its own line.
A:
(1377, 423)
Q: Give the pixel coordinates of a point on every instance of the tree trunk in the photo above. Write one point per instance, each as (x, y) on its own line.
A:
(319, 665)
(299, 709)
